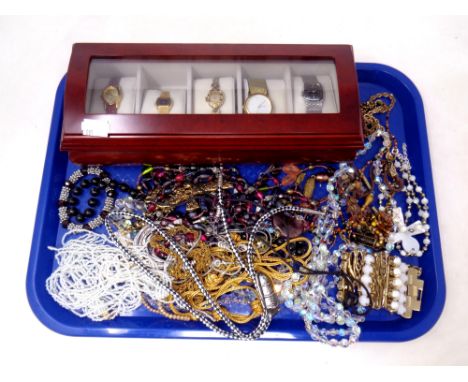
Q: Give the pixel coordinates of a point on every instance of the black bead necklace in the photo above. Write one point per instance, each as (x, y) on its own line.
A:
(71, 217)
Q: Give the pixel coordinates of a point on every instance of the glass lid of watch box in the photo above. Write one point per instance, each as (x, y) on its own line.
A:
(123, 86)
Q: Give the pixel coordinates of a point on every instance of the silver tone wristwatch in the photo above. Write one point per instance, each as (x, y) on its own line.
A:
(313, 94)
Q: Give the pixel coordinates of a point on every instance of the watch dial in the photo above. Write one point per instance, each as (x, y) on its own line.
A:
(258, 104)
(314, 93)
(215, 98)
(164, 102)
(111, 95)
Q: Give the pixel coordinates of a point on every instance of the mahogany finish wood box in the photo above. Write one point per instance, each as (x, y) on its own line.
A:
(205, 103)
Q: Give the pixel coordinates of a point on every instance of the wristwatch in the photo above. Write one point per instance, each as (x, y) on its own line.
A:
(112, 96)
(164, 103)
(312, 94)
(215, 96)
(257, 101)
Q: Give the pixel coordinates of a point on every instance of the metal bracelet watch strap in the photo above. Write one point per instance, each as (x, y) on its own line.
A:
(257, 86)
(312, 94)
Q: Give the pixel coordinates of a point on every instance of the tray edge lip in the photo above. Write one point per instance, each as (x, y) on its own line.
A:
(429, 321)
(32, 296)
(405, 335)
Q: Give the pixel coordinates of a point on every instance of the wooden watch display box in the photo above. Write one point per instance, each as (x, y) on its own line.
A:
(206, 103)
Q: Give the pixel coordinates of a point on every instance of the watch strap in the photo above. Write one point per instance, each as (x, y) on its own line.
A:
(313, 106)
(110, 109)
(215, 83)
(257, 86)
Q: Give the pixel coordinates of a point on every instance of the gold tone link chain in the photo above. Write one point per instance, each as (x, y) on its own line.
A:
(222, 275)
(376, 105)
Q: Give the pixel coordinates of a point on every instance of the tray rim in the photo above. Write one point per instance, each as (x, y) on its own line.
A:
(411, 333)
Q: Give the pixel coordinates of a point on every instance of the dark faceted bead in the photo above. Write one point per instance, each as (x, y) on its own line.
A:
(84, 171)
(77, 191)
(68, 184)
(112, 184)
(302, 245)
(95, 191)
(350, 299)
(133, 193)
(72, 201)
(93, 202)
(300, 251)
(65, 223)
(102, 184)
(292, 247)
(72, 211)
(80, 218)
(89, 212)
(123, 187)
(104, 174)
(95, 181)
(104, 214)
(85, 183)
(86, 226)
(62, 203)
(111, 193)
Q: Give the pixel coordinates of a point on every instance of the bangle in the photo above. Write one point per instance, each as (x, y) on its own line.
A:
(69, 215)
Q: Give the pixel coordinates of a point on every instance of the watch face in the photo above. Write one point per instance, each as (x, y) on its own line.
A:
(111, 95)
(215, 98)
(313, 93)
(258, 104)
(163, 102)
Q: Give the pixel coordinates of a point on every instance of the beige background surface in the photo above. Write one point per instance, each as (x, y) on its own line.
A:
(34, 56)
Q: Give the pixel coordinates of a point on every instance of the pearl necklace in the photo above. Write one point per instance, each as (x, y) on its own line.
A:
(402, 237)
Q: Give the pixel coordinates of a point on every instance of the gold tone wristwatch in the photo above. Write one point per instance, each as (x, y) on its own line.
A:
(164, 103)
(258, 101)
(112, 96)
(215, 97)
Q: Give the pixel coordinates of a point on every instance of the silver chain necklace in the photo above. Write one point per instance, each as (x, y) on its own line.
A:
(263, 286)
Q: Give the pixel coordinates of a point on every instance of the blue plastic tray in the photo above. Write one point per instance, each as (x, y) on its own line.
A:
(407, 123)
